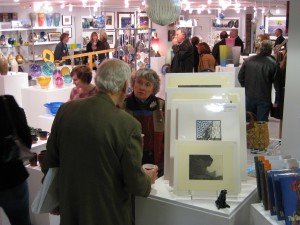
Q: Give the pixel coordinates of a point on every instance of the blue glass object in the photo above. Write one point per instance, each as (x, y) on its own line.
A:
(48, 68)
(35, 70)
(67, 79)
(53, 107)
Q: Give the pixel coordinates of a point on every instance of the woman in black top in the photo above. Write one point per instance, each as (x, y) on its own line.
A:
(13, 175)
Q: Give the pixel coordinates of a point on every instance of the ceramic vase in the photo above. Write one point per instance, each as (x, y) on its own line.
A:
(14, 65)
(41, 19)
(32, 17)
(3, 65)
(59, 82)
(49, 19)
(236, 52)
(56, 19)
(223, 54)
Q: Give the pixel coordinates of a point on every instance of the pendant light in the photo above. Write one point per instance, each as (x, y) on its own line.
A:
(269, 14)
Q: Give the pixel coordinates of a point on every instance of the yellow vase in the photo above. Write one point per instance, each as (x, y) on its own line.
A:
(223, 54)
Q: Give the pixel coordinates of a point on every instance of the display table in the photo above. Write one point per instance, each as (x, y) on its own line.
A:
(12, 83)
(259, 216)
(162, 207)
(34, 99)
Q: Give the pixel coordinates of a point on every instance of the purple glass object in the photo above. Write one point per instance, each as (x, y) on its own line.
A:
(35, 70)
(59, 82)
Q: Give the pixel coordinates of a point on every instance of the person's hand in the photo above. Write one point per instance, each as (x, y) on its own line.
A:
(152, 173)
(174, 41)
(275, 105)
(55, 211)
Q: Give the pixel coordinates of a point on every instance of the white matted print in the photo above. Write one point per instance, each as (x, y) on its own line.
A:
(205, 167)
(208, 130)
(109, 20)
(111, 38)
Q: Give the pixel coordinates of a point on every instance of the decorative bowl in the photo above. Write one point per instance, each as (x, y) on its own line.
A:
(35, 70)
(65, 70)
(43, 81)
(53, 107)
(67, 79)
(48, 68)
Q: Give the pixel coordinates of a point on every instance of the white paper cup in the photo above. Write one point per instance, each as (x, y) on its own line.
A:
(148, 166)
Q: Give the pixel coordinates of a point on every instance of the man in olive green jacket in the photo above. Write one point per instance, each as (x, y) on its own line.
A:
(98, 150)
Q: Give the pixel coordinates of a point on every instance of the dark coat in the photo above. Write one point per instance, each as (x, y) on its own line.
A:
(99, 159)
(196, 58)
(239, 42)
(14, 173)
(257, 75)
(183, 60)
(279, 40)
(60, 51)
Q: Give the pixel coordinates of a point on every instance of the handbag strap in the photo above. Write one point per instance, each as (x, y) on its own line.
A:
(12, 125)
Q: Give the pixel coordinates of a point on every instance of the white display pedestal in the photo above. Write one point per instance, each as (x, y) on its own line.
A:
(232, 69)
(34, 99)
(162, 207)
(259, 216)
(12, 83)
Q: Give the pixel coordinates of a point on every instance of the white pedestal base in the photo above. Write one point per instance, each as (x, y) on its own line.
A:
(259, 216)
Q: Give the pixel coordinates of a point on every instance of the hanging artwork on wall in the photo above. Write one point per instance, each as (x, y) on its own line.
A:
(274, 22)
(7, 17)
(109, 20)
(143, 20)
(67, 30)
(66, 20)
(111, 38)
(125, 19)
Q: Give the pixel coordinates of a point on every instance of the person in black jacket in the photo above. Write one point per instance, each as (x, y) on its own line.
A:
(216, 48)
(234, 33)
(61, 49)
(93, 46)
(183, 60)
(280, 38)
(257, 75)
(195, 41)
(13, 185)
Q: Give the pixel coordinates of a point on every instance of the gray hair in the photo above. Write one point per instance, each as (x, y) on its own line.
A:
(111, 75)
(266, 47)
(149, 75)
(183, 31)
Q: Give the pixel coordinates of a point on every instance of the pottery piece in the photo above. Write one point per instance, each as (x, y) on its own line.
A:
(43, 81)
(59, 82)
(43, 135)
(3, 65)
(32, 17)
(34, 138)
(41, 19)
(48, 68)
(56, 19)
(53, 107)
(19, 58)
(35, 70)
(49, 18)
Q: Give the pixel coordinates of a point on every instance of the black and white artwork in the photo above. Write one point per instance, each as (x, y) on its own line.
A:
(208, 130)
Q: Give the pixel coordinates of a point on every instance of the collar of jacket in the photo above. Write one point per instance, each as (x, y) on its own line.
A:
(150, 104)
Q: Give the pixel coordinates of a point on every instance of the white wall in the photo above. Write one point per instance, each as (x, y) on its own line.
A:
(291, 117)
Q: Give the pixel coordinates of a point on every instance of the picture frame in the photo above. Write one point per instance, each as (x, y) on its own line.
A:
(125, 19)
(143, 20)
(111, 38)
(274, 22)
(66, 20)
(110, 20)
(67, 30)
(221, 172)
(86, 22)
(54, 36)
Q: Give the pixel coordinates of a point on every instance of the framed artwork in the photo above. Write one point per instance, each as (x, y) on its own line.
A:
(54, 36)
(66, 20)
(7, 17)
(205, 167)
(111, 38)
(125, 19)
(110, 20)
(274, 22)
(143, 20)
(67, 30)
(86, 22)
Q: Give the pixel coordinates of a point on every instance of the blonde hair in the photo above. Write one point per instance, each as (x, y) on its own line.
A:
(103, 35)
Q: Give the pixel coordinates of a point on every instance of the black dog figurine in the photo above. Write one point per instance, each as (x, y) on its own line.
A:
(221, 201)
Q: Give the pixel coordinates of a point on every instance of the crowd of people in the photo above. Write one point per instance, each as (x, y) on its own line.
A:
(102, 136)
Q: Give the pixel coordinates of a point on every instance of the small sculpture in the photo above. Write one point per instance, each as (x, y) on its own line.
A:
(221, 201)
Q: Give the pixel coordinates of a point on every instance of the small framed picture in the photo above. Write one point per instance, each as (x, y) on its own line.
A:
(125, 19)
(66, 20)
(67, 30)
(111, 38)
(54, 36)
(143, 20)
(110, 20)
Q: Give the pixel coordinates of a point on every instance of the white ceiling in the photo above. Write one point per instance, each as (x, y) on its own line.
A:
(135, 4)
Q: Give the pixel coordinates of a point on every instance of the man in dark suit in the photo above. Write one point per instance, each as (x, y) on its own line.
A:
(234, 33)
(280, 38)
(61, 49)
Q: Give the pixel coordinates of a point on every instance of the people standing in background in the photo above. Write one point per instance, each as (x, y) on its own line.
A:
(279, 37)
(207, 61)
(61, 49)
(183, 60)
(14, 196)
(216, 48)
(149, 111)
(257, 75)
(98, 149)
(92, 46)
(82, 77)
(195, 41)
(234, 33)
(103, 46)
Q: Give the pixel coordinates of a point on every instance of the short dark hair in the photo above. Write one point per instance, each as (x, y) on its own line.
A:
(83, 72)
(63, 35)
(223, 34)
(280, 30)
(195, 40)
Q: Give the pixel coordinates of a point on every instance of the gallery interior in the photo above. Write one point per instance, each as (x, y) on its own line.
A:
(31, 29)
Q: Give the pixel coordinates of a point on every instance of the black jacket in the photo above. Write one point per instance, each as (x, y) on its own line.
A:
(239, 42)
(60, 51)
(183, 60)
(257, 75)
(216, 50)
(279, 40)
(14, 173)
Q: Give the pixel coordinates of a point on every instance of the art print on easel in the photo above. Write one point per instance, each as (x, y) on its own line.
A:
(208, 130)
